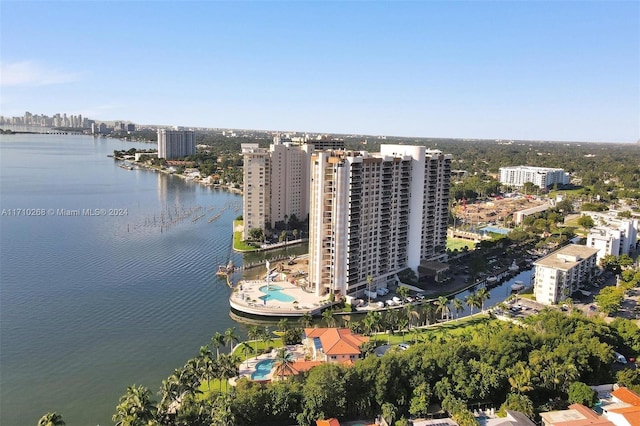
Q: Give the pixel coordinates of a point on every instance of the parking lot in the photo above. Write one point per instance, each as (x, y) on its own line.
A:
(583, 301)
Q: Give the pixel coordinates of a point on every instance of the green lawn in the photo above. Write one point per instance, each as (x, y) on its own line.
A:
(260, 345)
(459, 243)
(455, 327)
(238, 244)
(211, 388)
(572, 225)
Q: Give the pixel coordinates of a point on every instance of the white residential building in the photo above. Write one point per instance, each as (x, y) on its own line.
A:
(563, 272)
(623, 229)
(276, 184)
(176, 143)
(542, 177)
(606, 240)
(373, 215)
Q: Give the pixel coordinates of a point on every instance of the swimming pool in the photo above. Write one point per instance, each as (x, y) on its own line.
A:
(263, 368)
(495, 230)
(273, 292)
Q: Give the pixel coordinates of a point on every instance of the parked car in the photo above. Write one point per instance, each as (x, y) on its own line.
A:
(390, 303)
(404, 346)
(396, 299)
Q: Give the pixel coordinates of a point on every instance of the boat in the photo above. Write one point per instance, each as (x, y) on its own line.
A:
(224, 270)
(514, 267)
(492, 279)
(517, 286)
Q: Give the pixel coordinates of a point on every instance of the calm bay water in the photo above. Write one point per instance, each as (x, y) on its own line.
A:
(91, 305)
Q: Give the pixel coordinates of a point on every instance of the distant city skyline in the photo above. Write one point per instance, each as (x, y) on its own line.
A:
(561, 71)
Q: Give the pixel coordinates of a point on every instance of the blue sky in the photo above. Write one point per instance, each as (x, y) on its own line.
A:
(477, 69)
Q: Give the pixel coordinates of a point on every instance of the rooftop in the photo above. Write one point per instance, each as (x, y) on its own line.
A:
(567, 257)
(337, 341)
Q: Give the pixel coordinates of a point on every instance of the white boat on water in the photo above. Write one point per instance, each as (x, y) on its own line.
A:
(517, 286)
(492, 279)
(514, 267)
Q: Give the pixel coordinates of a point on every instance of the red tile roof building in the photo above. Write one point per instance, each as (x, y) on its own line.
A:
(576, 415)
(624, 409)
(333, 344)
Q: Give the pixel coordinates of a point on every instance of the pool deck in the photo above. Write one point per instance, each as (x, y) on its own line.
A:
(245, 297)
(248, 367)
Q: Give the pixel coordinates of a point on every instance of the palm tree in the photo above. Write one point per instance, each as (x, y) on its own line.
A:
(417, 335)
(189, 378)
(216, 341)
(520, 378)
(51, 419)
(135, 408)
(284, 359)
(230, 337)
(266, 337)
(429, 311)
(246, 350)
(254, 333)
(458, 306)
(472, 301)
(205, 364)
(389, 321)
(218, 373)
(371, 322)
(283, 325)
(482, 295)
(402, 326)
(411, 312)
(442, 305)
(228, 367)
(369, 281)
(328, 318)
(221, 412)
(356, 327)
(403, 292)
(306, 320)
(170, 392)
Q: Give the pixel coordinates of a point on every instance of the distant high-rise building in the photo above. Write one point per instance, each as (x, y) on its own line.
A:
(374, 215)
(542, 177)
(325, 143)
(276, 184)
(176, 143)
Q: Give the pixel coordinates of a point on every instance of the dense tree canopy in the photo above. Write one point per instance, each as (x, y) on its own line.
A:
(553, 357)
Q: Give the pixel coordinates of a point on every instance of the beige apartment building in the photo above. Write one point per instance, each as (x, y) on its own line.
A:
(563, 272)
(276, 184)
(373, 215)
(176, 143)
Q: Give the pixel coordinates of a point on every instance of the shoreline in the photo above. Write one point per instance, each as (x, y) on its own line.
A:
(141, 166)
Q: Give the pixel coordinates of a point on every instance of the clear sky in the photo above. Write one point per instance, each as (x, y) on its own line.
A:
(557, 70)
